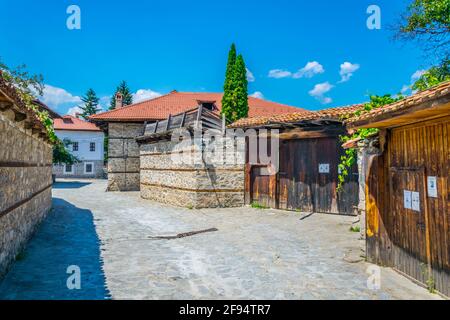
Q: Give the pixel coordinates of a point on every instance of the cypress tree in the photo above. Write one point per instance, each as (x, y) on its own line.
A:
(240, 90)
(90, 104)
(228, 87)
(126, 93)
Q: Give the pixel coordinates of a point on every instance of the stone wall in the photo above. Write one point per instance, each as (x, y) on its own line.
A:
(78, 170)
(194, 185)
(25, 185)
(123, 156)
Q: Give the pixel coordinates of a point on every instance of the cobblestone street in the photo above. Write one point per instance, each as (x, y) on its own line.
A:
(254, 254)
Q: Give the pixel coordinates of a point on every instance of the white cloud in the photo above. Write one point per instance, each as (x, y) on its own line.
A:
(405, 89)
(250, 76)
(74, 110)
(309, 70)
(278, 74)
(104, 102)
(319, 91)
(347, 70)
(416, 75)
(145, 94)
(55, 97)
(257, 94)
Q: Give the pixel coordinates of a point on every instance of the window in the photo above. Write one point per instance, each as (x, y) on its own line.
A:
(74, 146)
(92, 146)
(68, 169)
(88, 167)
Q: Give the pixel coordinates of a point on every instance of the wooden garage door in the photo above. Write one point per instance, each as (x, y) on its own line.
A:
(299, 184)
(303, 186)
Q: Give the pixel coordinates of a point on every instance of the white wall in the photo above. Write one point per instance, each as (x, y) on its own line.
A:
(84, 138)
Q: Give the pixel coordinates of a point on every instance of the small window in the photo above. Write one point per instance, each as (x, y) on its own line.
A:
(68, 169)
(92, 146)
(88, 167)
(74, 146)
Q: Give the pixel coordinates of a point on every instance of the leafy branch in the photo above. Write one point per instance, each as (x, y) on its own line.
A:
(28, 87)
(350, 156)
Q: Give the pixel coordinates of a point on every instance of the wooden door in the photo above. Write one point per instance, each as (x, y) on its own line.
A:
(299, 184)
(261, 184)
(296, 173)
(308, 177)
(408, 209)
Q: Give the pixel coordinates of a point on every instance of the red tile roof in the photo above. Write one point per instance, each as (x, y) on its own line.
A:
(392, 110)
(332, 113)
(177, 102)
(74, 124)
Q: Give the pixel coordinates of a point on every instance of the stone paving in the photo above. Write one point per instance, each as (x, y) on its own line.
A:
(255, 254)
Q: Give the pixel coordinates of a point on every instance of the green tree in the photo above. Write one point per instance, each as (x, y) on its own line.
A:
(61, 154)
(126, 93)
(428, 23)
(433, 76)
(90, 104)
(240, 91)
(235, 95)
(228, 87)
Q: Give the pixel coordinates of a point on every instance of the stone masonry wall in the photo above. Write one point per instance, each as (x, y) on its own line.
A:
(25, 186)
(193, 185)
(123, 156)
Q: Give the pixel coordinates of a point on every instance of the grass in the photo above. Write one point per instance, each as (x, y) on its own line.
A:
(355, 229)
(256, 205)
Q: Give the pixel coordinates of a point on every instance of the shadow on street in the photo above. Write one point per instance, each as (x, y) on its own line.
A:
(70, 184)
(67, 237)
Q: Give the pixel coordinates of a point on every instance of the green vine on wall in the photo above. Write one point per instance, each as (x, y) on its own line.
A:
(27, 86)
(351, 154)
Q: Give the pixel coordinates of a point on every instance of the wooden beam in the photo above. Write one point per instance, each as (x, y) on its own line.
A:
(168, 122)
(299, 133)
(183, 120)
(199, 114)
(145, 127)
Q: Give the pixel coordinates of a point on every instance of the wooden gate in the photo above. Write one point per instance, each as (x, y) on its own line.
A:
(307, 179)
(407, 226)
(408, 208)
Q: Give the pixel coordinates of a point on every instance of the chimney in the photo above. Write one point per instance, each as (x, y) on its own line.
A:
(119, 100)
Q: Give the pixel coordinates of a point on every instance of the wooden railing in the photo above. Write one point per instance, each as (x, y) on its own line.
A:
(193, 118)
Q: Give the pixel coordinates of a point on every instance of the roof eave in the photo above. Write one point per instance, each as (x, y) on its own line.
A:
(426, 110)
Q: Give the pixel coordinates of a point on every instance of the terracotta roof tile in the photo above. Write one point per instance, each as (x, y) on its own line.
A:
(177, 102)
(332, 113)
(74, 124)
(416, 99)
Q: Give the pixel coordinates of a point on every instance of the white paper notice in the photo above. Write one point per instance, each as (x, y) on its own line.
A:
(415, 201)
(324, 168)
(407, 199)
(432, 187)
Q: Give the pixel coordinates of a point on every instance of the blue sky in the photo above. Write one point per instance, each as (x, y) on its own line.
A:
(294, 49)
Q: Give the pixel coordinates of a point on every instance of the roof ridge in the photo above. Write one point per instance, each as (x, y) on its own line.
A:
(132, 105)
